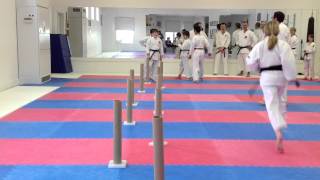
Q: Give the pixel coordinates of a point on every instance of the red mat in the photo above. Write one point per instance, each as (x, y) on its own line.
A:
(173, 97)
(89, 115)
(178, 152)
(177, 86)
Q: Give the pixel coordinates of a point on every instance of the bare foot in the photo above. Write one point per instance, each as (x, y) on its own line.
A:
(280, 148)
(279, 141)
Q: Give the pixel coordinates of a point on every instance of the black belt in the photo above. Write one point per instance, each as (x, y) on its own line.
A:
(272, 68)
(224, 52)
(199, 48)
(183, 50)
(153, 52)
(243, 47)
(293, 48)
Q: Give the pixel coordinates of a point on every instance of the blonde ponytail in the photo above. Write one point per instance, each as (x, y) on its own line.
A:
(271, 29)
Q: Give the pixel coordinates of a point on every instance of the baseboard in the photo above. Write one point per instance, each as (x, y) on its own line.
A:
(9, 85)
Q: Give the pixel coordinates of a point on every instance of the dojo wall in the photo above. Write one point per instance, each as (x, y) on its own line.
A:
(8, 45)
(199, 4)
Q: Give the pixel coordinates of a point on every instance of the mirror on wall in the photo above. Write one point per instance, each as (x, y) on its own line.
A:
(117, 32)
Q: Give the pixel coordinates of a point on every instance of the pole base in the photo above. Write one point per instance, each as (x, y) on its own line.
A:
(112, 165)
(164, 143)
(154, 113)
(142, 92)
(135, 104)
(129, 123)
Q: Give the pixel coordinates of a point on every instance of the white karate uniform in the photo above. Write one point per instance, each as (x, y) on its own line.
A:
(184, 56)
(284, 33)
(198, 45)
(247, 38)
(309, 56)
(144, 44)
(259, 34)
(154, 44)
(178, 42)
(274, 83)
(202, 33)
(235, 37)
(235, 42)
(294, 44)
(222, 41)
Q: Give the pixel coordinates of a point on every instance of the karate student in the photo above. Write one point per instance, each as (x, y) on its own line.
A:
(309, 55)
(294, 42)
(192, 32)
(197, 52)
(177, 43)
(184, 56)
(202, 33)
(246, 40)
(259, 32)
(274, 59)
(284, 33)
(235, 37)
(222, 44)
(154, 50)
(144, 44)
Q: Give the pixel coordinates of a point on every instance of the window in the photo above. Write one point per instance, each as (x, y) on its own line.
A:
(124, 27)
(125, 36)
(170, 35)
(92, 13)
(97, 14)
(87, 12)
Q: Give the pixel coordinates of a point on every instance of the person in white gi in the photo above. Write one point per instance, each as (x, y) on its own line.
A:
(202, 33)
(274, 59)
(197, 52)
(259, 32)
(246, 39)
(222, 44)
(154, 50)
(184, 56)
(235, 39)
(143, 43)
(284, 35)
(294, 42)
(235, 35)
(177, 43)
(309, 55)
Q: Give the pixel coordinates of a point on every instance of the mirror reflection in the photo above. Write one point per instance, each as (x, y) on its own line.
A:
(121, 32)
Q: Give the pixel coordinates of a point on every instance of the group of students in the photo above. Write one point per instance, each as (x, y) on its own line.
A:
(274, 57)
(193, 46)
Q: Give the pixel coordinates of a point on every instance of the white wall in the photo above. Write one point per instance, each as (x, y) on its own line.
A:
(8, 45)
(199, 4)
(94, 40)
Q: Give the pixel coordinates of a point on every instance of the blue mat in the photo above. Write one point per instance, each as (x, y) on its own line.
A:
(242, 131)
(146, 173)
